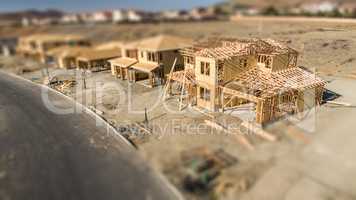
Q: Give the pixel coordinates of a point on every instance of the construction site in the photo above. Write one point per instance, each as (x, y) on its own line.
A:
(223, 74)
(247, 112)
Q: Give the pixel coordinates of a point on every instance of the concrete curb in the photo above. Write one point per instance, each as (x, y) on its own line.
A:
(86, 109)
(96, 116)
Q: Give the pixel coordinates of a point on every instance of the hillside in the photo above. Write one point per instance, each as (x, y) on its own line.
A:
(279, 3)
(30, 14)
(230, 5)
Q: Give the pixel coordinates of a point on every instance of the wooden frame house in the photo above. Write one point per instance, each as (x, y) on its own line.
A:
(97, 60)
(37, 46)
(150, 59)
(8, 46)
(223, 74)
(66, 57)
(120, 66)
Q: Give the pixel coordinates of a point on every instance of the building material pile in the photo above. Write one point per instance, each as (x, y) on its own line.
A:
(136, 133)
(63, 84)
(203, 166)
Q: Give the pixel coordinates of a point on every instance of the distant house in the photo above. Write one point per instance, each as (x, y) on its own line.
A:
(248, 10)
(65, 57)
(149, 60)
(170, 15)
(25, 22)
(8, 46)
(197, 13)
(347, 8)
(102, 16)
(296, 10)
(184, 15)
(140, 16)
(45, 21)
(119, 16)
(134, 16)
(174, 15)
(202, 13)
(36, 46)
(86, 17)
(72, 18)
(319, 7)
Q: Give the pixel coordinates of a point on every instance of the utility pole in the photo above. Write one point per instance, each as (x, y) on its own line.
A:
(146, 118)
(42, 73)
(94, 97)
(47, 72)
(84, 81)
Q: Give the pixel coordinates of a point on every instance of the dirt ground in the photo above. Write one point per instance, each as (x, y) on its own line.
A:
(274, 170)
(326, 47)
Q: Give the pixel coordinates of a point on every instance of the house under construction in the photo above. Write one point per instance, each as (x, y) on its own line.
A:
(65, 57)
(36, 46)
(222, 74)
(97, 60)
(91, 58)
(148, 61)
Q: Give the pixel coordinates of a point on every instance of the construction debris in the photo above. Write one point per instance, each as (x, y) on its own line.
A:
(62, 84)
(259, 131)
(136, 133)
(202, 166)
(337, 103)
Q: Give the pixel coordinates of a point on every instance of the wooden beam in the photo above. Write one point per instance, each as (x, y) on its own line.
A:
(182, 91)
(240, 138)
(241, 94)
(203, 112)
(169, 79)
(259, 131)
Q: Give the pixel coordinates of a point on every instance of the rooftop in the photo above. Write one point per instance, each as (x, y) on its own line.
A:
(224, 48)
(99, 54)
(123, 62)
(66, 51)
(131, 45)
(145, 67)
(163, 43)
(263, 83)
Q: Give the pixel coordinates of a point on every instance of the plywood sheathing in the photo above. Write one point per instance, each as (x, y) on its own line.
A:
(99, 54)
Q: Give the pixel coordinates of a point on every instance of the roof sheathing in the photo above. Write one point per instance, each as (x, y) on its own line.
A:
(222, 49)
(273, 83)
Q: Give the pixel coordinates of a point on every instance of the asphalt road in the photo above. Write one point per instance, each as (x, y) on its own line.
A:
(48, 156)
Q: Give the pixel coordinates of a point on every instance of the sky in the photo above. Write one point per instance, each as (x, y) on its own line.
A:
(89, 5)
